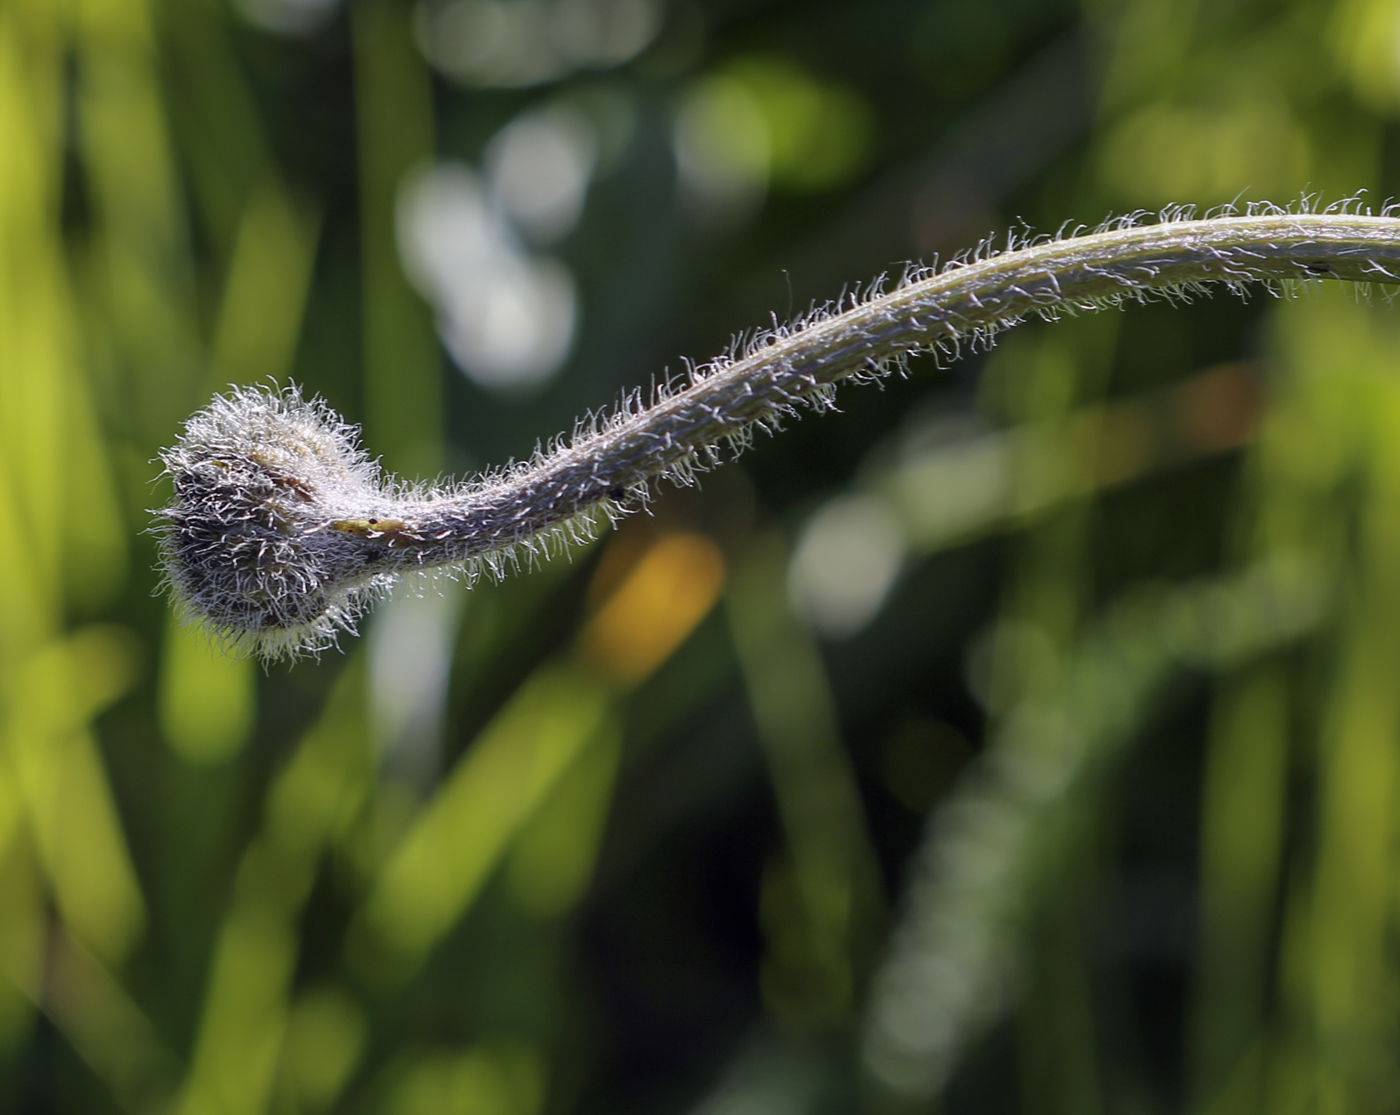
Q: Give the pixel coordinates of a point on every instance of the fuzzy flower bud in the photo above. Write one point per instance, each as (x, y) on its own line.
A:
(280, 529)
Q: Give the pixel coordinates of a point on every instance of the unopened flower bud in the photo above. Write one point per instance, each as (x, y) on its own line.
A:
(277, 535)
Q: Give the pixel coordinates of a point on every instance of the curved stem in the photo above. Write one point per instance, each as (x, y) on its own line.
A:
(283, 558)
(965, 302)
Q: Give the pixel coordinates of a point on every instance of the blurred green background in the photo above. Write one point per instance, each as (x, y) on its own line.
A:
(1022, 738)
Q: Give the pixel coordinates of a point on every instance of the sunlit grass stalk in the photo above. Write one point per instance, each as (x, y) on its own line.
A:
(283, 528)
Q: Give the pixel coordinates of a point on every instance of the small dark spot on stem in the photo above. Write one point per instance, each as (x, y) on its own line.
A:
(1319, 268)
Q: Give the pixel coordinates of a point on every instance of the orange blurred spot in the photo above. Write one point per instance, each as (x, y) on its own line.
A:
(663, 596)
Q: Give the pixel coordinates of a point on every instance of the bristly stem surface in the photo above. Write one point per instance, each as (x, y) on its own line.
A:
(280, 543)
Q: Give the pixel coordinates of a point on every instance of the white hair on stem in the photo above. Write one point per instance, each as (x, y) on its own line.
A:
(283, 530)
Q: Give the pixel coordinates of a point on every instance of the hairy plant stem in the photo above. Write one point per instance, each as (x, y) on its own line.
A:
(334, 536)
(966, 302)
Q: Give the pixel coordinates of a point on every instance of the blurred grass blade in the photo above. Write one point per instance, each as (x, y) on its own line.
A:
(1352, 979)
(402, 378)
(207, 698)
(140, 247)
(108, 1029)
(443, 861)
(50, 687)
(265, 293)
(67, 800)
(1242, 830)
(246, 1005)
(823, 902)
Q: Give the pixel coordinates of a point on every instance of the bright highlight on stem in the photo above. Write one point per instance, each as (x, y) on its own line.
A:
(283, 529)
